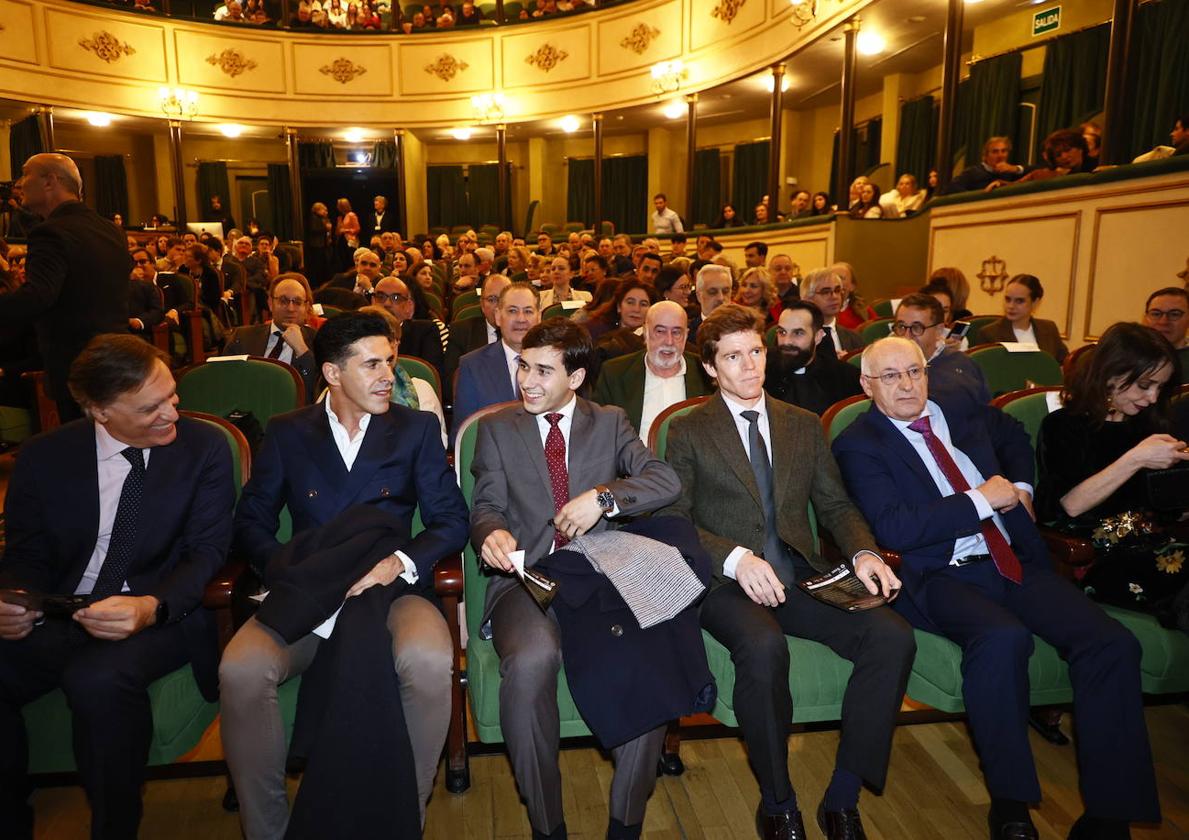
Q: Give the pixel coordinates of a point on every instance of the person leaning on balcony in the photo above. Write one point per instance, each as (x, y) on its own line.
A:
(993, 167)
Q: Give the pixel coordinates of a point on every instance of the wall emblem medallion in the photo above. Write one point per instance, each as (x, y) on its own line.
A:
(726, 10)
(992, 275)
(639, 38)
(547, 57)
(342, 70)
(106, 46)
(446, 67)
(231, 62)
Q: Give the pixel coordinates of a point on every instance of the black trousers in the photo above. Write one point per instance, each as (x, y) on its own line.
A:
(106, 685)
(880, 644)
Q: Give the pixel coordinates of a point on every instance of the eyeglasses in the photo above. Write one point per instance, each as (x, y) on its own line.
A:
(141, 261)
(827, 291)
(369, 263)
(288, 301)
(891, 378)
(384, 297)
(1171, 314)
(916, 328)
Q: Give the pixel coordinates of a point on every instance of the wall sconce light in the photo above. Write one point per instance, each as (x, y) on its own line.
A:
(667, 76)
(178, 102)
(489, 107)
(804, 12)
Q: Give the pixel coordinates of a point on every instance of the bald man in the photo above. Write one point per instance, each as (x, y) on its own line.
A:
(419, 337)
(76, 273)
(644, 384)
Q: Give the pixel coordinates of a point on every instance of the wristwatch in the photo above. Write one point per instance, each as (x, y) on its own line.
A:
(162, 614)
(605, 498)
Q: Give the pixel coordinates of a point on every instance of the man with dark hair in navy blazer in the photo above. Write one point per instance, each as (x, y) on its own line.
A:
(948, 484)
(488, 375)
(130, 507)
(354, 448)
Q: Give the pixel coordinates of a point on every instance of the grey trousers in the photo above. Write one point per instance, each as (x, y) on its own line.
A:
(257, 661)
(528, 642)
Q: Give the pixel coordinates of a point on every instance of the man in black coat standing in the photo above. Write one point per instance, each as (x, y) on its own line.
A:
(76, 273)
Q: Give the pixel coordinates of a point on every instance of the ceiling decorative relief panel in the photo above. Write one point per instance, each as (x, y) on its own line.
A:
(544, 58)
(252, 65)
(16, 19)
(107, 45)
(331, 69)
(639, 40)
(444, 68)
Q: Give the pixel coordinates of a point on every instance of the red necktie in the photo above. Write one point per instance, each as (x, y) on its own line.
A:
(1005, 559)
(559, 477)
(279, 347)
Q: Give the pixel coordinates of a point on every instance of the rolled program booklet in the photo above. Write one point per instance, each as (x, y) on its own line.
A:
(841, 588)
(538, 585)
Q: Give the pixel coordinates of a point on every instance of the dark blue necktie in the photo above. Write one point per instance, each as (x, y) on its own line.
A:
(774, 549)
(123, 531)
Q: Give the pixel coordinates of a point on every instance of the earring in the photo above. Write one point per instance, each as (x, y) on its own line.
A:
(1110, 405)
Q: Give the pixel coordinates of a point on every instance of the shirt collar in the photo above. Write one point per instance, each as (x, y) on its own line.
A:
(566, 412)
(931, 411)
(735, 408)
(334, 418)
(106, 446)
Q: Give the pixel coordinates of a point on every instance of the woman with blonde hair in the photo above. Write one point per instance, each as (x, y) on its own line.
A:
(757, 291)
(346, 232)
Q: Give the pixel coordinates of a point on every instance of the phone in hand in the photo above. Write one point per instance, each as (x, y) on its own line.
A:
(960, 329)
(52, 606)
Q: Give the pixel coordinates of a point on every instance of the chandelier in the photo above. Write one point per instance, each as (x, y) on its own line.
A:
(489, 107)
(667, 76)
(178, 102)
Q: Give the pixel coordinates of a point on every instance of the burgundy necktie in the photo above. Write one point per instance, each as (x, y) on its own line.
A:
(1005, 559)
(559, 477)
(279, 347)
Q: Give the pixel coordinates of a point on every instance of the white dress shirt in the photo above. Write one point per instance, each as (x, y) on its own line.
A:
(492, 335)
(563, 425)
(286, 351)
(975, 543)
(743, 427)
(660, 392)
(832, 336)
(666, 221)
(1027, 336)
(113, 469)
(512, 359)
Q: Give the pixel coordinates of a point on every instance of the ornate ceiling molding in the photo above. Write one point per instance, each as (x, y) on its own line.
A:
(342, 70)
(639, 38)
(232, 62)
(547, 57)
(106, 46)
(726, 10)
(446, 67)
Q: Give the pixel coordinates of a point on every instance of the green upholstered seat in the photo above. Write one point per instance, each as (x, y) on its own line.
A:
(264, 387)
(1007, 370)
(16, 424)
(883, 308)
(472, 311)
(421, 369)
(1164, 667)
(873, 331)
(977, 322)
(467, 298)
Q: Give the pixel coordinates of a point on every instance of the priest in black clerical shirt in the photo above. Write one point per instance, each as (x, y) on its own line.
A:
(803, 369)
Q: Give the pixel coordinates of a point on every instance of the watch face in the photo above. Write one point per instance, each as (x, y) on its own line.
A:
(606, 500)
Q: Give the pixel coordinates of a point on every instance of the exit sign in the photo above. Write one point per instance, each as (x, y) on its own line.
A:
(1045, 21)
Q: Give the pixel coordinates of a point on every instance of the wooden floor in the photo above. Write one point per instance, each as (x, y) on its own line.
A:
(935, 792)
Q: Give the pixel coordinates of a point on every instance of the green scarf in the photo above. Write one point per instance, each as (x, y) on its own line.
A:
(403, 392)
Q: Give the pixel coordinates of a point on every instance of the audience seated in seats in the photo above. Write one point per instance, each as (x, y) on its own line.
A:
(949, 486)
(825, 288)
(757, 291)
(1021, 296)
(469, 14)
(803, 370)
(144, 306)
(645, 383)
(941, 292)
(786, 276)
(419, 337)
(952, 374)
(559, 289)
(286, 337)
(358, 449)
(363, 276)
(712, 288)
(904, 200)
(801, 205)
(1092, 133)
(197, 267)
(761, 215)
(1095, 457)
(959, 287)
(1167, 312)
(673, 284)
(488, 375)
(854, 310)
(473, 333)
(139, 543)
(822, 206)
(677, 245)
(256, 271)
(1180, 142)
(728, 218)
(759, 551)
(649, 267)
(1065, 153)
(866, 206)
(518, 484)
(754, 254)
(626, 315)
(994, 168)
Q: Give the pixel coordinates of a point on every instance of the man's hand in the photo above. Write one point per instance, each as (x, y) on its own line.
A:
(293, 337)
(759, 581)
(173, 316)
(1004, 166)
(1026, 500)
(1000, 493)
(578, 515)
(135, 324)
(363, 285)
(118, 616)
(16, 622)
(876, 575)
(495, 550)
(382, 574)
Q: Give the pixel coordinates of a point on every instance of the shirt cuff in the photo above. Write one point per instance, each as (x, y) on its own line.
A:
(981, 505)
(728, 565)
(1025, 486)
(614, 512)
(410, 572)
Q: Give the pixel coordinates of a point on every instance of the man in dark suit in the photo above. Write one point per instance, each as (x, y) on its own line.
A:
(362, 277)
(379, 220)
(952, 374)
(76, 273)
(487, 376)
(286, 337)
(473, 333)
(948, 484)
(145, 309)
(646, 383)
(803, 372)
(585, 463)
(130, 508)
(354, 448)
(993, 167)
(749, 467)
(823, 287)
(417, 338)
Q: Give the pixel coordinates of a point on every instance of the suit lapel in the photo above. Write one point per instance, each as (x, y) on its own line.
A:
(530, 435)
(320, 446)
(498, 372)
(634, 379)
(725, 435)
(784, 444)
(81, 497)
(695, 382)
(372, 453)
(896, 443)
(581, 428)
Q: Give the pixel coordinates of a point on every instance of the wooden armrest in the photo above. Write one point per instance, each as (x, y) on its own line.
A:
(1068, 552)
(218, 589)
(447, 576)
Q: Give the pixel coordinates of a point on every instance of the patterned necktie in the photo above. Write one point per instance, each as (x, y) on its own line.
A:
(774, 550)
(559, 476)
(115, 567)
(279, 347)
(1001, 552)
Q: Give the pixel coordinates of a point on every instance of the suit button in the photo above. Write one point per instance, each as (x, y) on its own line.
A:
(313, 494)
(616, 630)
(384, 491)
(629, 500)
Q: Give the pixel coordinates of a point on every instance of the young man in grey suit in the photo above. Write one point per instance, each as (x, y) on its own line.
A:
(528, 463)
(749, 467)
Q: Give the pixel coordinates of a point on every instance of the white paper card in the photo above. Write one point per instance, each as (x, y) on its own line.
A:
(242, 358)
(318, 309)
(1020, 346)
(572, 304)
(895, 304)
(517, 558)
(323, 630)
(1053, 400)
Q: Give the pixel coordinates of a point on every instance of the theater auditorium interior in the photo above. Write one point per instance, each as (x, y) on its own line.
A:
(1001, 185)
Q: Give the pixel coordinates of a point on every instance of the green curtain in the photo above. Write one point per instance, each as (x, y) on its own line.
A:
(580, 191)
(625, 193)
(868, 141)
(988, 104)
(707, 203)
(24, 141)
(384, 154)
(1074, 82)
(750, 177)
(916, 149)
(317, 154)
(111, 186)
(212, 180)
(446, 194)
(1161, 70)
(483, 194)
(282, 200)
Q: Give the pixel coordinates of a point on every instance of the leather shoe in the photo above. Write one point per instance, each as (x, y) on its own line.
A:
(1012, 830)
(840, 825)
(786, 826)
